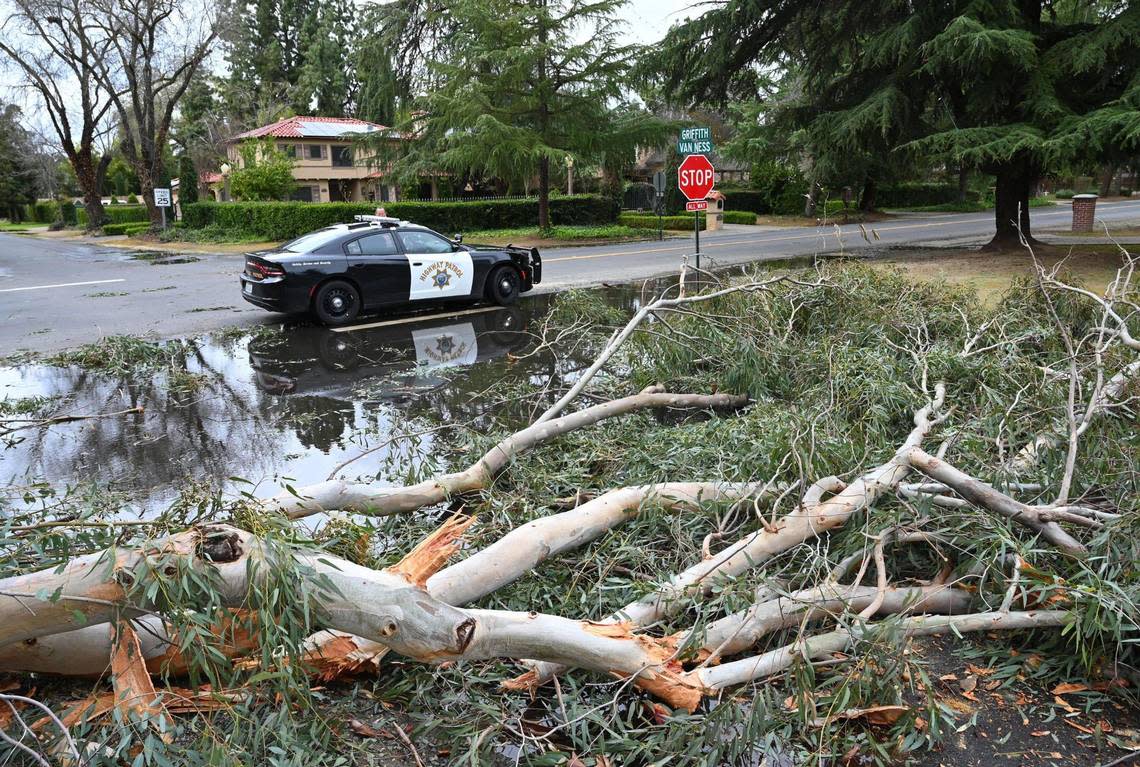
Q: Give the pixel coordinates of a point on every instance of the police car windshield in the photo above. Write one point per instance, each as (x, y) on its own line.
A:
(307, 243)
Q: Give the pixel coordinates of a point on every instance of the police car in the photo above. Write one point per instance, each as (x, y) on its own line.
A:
(379, 262)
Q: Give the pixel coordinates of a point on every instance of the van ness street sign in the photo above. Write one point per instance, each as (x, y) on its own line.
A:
(695, 141)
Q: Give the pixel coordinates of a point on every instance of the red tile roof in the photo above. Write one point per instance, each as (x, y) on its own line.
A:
(209, 177)
(295, 127)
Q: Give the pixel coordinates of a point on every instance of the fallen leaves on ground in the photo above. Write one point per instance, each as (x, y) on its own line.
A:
(365, 730)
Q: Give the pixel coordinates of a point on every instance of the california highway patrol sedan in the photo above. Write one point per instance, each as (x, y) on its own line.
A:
(378, 262)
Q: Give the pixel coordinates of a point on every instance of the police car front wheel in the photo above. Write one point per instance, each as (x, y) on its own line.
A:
(503, 286)
(336, 302)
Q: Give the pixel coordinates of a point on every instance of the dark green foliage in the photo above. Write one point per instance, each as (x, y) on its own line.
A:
(640, 221)
(18, 185)
(266, 173)
(917, 193)
(45, 212)
(117, 214)
(187, 180)
(1012, 89)
(739, 217)
(745, 199)
(127, 228)
(285, 220)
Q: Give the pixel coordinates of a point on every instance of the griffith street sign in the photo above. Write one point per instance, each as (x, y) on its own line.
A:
(695, 177)
(698, 205)
(695, 141)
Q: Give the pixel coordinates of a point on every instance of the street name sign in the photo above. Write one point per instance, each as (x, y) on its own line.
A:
(695, 141)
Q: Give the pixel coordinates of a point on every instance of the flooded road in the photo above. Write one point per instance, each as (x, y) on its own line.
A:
(259, 410)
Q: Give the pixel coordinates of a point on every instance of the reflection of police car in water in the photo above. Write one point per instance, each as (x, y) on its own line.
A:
(403, 354)
(341, 270)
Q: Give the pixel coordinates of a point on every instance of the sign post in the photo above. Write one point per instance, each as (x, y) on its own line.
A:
(162, 201)
(695, 180)
(659, 201)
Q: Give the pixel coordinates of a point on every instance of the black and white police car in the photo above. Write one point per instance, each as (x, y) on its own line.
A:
(379, 262)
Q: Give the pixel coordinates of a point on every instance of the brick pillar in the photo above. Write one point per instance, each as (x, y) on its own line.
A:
(1084, 210)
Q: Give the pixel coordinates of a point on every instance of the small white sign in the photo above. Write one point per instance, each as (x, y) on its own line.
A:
(162, 198)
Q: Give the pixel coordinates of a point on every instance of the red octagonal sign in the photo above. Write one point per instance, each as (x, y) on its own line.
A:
(695, 177)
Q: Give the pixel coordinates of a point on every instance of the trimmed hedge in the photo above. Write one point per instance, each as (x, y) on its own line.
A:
(130, 227)
(286, 220)
(739, 217)
(42, 212)
(915, 194)
(747, 200)
(119, 214)
(638, 221)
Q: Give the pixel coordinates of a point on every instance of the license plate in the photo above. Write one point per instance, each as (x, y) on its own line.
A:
(248, 287)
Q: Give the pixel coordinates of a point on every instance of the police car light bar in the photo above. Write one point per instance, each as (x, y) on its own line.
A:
(378, 219)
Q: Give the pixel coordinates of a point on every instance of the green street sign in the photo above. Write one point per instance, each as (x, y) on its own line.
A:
(695, 141)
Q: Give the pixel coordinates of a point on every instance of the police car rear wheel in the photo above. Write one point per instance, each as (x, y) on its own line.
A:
(503, 286)
(336, 303)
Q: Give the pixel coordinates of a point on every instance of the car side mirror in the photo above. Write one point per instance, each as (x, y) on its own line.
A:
(457, 239)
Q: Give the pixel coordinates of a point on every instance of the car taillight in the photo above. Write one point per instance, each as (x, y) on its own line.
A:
(261, 271)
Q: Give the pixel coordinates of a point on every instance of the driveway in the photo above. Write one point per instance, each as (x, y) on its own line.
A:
(55, 294)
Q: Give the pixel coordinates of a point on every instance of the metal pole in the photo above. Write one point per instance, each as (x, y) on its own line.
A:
(162, 209)
(697, 234)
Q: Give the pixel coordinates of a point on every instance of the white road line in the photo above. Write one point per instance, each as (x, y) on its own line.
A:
(60, 285)
(417, 318)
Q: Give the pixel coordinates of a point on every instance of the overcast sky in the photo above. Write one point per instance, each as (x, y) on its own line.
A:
(649, 20)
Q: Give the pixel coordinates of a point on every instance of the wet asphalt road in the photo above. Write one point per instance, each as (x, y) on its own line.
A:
(55, 294)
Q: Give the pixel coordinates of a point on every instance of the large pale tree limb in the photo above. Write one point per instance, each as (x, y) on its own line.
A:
(812, 518)
(379, 501)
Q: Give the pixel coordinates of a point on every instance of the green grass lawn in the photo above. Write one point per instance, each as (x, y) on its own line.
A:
(973, 206)
(7, 226)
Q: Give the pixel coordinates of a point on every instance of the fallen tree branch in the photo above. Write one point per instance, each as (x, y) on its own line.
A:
(984, 496)
(378, 501)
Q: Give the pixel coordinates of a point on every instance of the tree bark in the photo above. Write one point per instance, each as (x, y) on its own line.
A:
(1011, 205)
(867, 197)
(544, 193)
(963, 182)
(1106, 179)
(85, 172)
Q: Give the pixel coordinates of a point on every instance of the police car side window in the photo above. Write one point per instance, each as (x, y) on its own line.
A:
(380, 244)
(423, 242)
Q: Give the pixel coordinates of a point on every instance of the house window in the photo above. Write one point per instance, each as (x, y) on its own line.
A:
(316, 151)
(342, 156)
(290, 150)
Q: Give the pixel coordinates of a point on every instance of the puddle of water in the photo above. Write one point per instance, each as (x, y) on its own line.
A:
(286, 405)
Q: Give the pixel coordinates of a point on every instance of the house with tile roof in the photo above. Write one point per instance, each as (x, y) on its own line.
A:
(328, 166)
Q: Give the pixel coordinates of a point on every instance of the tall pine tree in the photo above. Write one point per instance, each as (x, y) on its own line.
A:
(1012, 88)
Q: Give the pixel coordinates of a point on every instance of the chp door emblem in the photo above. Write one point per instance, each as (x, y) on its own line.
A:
(439, 275)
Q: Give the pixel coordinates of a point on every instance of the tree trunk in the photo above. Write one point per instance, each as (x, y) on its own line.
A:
(1011, 205)
(809, 202)
(1106, 180)
(963, 182)
(544, 193)
(87, 176)
(101, 173)
(867, 197)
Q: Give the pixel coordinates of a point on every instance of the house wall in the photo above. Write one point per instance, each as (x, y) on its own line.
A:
(317, 173)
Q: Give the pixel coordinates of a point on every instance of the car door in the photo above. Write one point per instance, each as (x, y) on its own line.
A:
(378, 267)
(439, 268)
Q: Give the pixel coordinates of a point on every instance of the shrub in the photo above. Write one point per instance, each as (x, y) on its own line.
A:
(1064, 194)
(748, 200)
(67, 212)
(123, 214)
(266, 173)
(781, 187)
(1125, 191)
(126, 228)
(286, 220)
(650, 222)
(739, 217)
(115, 200)
(915, 194)
(43, 212)
(132, 200)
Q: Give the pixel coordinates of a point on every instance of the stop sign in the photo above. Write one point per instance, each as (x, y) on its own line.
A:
(695, 177)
